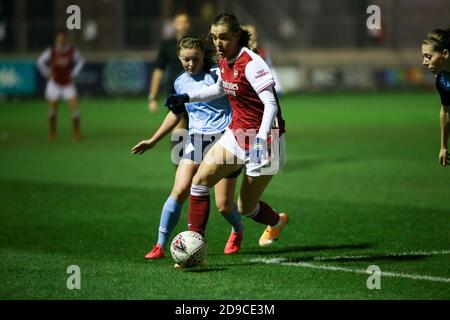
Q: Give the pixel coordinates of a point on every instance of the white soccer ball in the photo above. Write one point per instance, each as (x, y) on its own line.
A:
(188, 248)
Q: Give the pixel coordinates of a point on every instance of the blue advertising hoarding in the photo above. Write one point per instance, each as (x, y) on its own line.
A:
(17, 78)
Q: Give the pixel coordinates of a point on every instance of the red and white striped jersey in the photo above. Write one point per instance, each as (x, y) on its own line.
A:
(242, 80)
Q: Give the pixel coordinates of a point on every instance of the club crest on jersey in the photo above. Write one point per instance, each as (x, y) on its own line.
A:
(222, 70)
(235, 73)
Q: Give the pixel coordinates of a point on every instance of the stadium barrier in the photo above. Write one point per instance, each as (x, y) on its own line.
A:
(129, 73)
(17, 78)
(328, 78)
(118, 75)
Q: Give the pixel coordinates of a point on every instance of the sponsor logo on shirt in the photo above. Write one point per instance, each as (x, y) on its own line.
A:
(261, 73)
(230, 85)
(230, 88)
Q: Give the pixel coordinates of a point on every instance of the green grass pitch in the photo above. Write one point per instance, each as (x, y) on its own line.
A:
(362, 186)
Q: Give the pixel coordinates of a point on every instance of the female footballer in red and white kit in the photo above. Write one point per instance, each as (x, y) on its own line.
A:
(255, 138)
(60, 64)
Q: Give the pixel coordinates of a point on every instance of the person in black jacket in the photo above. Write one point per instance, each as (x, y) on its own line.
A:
(168, 66)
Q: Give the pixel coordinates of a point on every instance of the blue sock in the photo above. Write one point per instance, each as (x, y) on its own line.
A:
(234, 219)
(169, 218)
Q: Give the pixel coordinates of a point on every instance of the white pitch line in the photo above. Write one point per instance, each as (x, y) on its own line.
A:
(401, 254)
(284, 262)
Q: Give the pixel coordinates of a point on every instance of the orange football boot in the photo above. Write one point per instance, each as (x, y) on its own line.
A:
(272, 233)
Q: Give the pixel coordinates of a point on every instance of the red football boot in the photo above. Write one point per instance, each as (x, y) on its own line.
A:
(156, 253)
(234, 242)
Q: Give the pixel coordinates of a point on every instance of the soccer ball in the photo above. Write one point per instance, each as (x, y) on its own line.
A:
(188, 248)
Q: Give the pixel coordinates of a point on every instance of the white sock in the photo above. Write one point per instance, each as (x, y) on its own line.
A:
(199, 190)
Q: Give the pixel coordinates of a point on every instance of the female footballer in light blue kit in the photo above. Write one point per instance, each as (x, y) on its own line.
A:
(207, 120)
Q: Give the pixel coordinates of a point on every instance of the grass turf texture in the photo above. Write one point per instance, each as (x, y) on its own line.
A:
(362, 178)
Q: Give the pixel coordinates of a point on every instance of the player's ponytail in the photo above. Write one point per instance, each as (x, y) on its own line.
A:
(232, 23)
(439, 39)
(210, 52)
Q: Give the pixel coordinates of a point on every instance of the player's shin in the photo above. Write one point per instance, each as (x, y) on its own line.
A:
(76, 125)
(264, 214)
(52, 123)
(234, 218)
(170, 216)
(199, 208)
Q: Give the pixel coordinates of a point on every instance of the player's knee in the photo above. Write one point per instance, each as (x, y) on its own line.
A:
(75, 114)
(198, 180)
(73, 100)
(180, 193)
(202, 179)
(224, 206)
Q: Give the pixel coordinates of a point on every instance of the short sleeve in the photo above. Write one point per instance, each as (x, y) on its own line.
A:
(77, 55)
(45, 56)
(258, 74)
(443, 86)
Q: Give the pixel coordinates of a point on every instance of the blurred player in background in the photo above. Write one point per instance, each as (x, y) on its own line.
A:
(436, 58)
(207, 121)
(168, 68)
(247, 81)
(60, 64)
(264, 54)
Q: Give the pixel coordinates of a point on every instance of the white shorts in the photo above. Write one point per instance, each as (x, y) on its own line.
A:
(54, 91)
(274, 164)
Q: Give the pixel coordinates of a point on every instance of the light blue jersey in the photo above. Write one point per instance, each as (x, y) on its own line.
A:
(208, 117)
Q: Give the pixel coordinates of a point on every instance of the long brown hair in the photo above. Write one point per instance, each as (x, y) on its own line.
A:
(439, 39)
(232, 23)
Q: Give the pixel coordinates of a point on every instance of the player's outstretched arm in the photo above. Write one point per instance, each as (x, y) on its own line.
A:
(169, 123)
(208, 93)
(444, 156)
